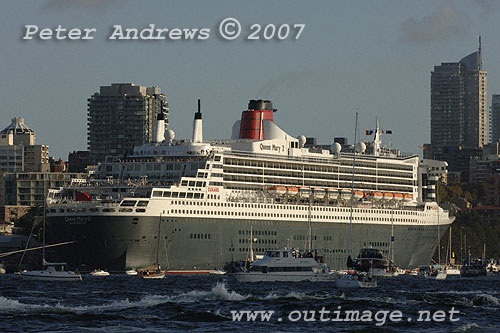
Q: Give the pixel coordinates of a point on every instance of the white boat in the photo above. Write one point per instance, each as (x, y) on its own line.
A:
(217, 272)
(452, 271)
(355, 281)
(99, 272)
(52, 272)
(440, 275)
(152, 274)
(131, 272)
(286, 265)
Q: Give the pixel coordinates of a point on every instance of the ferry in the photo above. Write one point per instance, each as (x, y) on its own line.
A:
(207, 195)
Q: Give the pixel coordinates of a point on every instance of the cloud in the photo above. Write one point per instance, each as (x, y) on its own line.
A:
(295, 77)
(52, 5)
(446, 23)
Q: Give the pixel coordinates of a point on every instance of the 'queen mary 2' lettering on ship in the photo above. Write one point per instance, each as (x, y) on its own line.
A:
(212, 199)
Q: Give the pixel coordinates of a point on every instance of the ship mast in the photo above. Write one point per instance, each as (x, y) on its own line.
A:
(309, 228)
(352, 184)
(376, 140)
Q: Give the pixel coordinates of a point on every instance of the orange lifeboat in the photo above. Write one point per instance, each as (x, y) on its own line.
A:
(408, 197)
(292, 191)
(319, 193)
(358, 195)
(333, 193)
(388, 196)
(377, 196)
(398, 196)
(276, 190)
(304, 192)
(345, 194)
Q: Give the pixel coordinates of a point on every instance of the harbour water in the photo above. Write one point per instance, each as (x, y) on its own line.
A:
(205, 303)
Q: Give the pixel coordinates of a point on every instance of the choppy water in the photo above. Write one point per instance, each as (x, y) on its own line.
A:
(204, 303)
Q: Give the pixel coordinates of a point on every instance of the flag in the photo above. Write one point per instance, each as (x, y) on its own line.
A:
(82, 196)
(368, 132)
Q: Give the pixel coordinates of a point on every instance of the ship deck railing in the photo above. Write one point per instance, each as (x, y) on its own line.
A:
(329, 159)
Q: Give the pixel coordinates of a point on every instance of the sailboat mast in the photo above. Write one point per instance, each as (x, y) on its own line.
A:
(438, 239)
(158, 245)
(43, 226)
(392, 238)
(449, 250)
(251, 244)
(352, 183)
(309, 230)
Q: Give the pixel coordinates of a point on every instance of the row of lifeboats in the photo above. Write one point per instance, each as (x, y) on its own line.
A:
(334, 194)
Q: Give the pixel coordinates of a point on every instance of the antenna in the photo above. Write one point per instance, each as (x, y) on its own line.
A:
(480, 59)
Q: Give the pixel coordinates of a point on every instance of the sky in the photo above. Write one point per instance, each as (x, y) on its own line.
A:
(370, 57)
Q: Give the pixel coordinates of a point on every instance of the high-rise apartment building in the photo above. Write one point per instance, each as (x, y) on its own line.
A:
(122, 116)
(495, 118)
(459, 115)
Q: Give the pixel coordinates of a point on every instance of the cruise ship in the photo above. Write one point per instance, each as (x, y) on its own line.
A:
(199, 204)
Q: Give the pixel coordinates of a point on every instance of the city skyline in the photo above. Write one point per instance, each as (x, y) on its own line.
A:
(374, 58)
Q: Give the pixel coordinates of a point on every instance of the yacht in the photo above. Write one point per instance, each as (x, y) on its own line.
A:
(286, 265)
(51, 272)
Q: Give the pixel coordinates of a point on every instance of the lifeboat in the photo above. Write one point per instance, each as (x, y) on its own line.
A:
(319, 193)
(376, 196)
(408, 197)
(276, 190)
(292, 191)
(388, 196)
(333, 193)
(304, 192)
(345, 194)
(358, 195)
(398, 196)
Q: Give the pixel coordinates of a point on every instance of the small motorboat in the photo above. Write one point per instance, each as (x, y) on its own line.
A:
(217, 271)
(99, 272)
(355, 281)
(131, 272)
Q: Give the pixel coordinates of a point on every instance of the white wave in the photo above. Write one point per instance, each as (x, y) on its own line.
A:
(299, 296)
(219, 292)
(457, 292)
(467, 327)
(7, 304)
